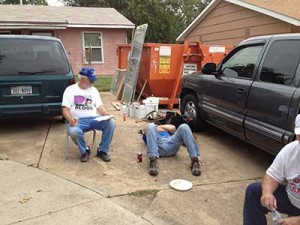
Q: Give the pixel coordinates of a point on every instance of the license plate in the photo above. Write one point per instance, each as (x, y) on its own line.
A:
(21, 90)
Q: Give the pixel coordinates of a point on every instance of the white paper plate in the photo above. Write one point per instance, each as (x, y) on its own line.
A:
(181, 185)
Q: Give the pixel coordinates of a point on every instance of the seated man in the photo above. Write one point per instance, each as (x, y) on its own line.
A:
(280, 188)
(165, 141)
(81, 105)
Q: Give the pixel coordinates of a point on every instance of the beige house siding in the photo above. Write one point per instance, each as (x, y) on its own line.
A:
(230, 24)
(295, 29)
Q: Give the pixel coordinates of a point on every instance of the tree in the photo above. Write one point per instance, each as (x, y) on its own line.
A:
(166, 18)
(206, 2)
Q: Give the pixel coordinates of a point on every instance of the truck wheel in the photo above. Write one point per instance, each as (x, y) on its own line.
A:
(190, 109)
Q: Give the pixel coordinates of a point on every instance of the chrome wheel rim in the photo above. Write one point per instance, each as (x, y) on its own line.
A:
(190, 110)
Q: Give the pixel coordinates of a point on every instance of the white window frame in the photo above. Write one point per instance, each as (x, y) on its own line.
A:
(84, 47)
(43, 34)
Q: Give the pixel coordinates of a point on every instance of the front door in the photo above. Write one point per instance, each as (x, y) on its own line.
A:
(226, 95)
(271, 94)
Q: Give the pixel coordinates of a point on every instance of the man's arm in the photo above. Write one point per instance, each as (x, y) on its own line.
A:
(269, 186)
(67, 115)
(167, 127)
(293, 220)
(102, 111)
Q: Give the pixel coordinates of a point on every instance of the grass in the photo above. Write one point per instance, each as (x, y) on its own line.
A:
(143, 193)
(102, 83)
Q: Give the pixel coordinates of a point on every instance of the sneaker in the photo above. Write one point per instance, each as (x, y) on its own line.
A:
(88, 150)
(153, 170)
(196, 166)
(84, 157)
(104, 156)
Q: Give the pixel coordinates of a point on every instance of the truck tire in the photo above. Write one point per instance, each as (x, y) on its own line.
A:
(190, 108)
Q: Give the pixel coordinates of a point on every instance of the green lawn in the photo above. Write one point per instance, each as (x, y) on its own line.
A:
(103, 83)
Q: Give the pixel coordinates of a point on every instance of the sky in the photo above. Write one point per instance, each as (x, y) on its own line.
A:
(54, 3)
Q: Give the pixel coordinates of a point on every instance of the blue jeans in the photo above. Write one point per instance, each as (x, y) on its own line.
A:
(255, 213)
(169, 146)
(85, 124)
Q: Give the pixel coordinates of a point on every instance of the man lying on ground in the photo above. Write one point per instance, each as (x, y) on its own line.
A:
(165, 141)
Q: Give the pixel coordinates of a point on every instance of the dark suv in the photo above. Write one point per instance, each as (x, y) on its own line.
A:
(34, 72)
(253, 94)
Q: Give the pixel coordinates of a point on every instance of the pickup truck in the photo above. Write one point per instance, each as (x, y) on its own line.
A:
(253, 93)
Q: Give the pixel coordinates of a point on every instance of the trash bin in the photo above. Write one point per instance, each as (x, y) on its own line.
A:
(162, 65)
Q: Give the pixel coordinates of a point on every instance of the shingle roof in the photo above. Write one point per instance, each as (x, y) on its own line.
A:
(285, 10)
(71, 16)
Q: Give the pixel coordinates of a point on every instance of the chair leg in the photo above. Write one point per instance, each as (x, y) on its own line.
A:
(94, 138)
(67, 146)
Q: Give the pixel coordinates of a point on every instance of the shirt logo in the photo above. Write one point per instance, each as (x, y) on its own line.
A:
(83, 102)
(295, 186)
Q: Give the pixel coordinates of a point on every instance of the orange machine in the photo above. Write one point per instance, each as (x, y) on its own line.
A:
(163, 65)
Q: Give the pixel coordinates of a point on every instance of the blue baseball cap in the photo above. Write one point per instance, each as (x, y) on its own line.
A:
(88, 72)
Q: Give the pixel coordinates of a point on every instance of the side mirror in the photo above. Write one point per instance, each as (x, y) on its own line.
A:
(209, 68)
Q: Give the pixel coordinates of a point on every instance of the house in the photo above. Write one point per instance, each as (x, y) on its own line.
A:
(88, 34)
(231, 21)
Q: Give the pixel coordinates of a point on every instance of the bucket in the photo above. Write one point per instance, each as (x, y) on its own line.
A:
(151, 104)
(139, 111)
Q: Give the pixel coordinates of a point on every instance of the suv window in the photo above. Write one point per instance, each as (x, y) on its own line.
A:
(242, 63)
(281, 62)
(29, 57)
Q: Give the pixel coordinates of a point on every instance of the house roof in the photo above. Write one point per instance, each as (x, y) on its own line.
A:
(62, 17)
(284, 10)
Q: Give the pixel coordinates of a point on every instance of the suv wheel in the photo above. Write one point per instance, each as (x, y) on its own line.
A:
(190, 109)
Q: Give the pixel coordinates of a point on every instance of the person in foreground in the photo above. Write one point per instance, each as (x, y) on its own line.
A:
(279, 189)
(81, 105)
(165, 141)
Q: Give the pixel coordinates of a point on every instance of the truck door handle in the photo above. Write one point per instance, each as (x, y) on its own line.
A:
(241, 91)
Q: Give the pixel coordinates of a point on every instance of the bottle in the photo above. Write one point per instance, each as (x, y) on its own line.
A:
(124, 116)
(276, 216)
(139, 157)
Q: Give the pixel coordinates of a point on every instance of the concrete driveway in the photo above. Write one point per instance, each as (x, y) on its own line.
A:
(216, 198)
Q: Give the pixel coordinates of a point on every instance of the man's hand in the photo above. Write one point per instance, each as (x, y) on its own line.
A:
(167, 127)
(67, 115)
(268, 200)
(102, 111)
(295, 220)
(269, 186)
(73, 122)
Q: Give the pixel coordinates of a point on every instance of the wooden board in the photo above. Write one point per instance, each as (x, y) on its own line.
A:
(119, 93)
(117, 105)
(117, 80)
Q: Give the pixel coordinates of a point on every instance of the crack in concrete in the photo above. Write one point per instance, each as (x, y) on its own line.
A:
(195, 185)
(85, 187)
(44, 144)
(165, 189)
(228, 182)
(144, 218)
(51, 212)
(74, 182)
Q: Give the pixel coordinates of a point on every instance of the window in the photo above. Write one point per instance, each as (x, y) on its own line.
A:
(281, 62)
(242, 63)
(45, 34)
(93, 50)
(30, 56)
